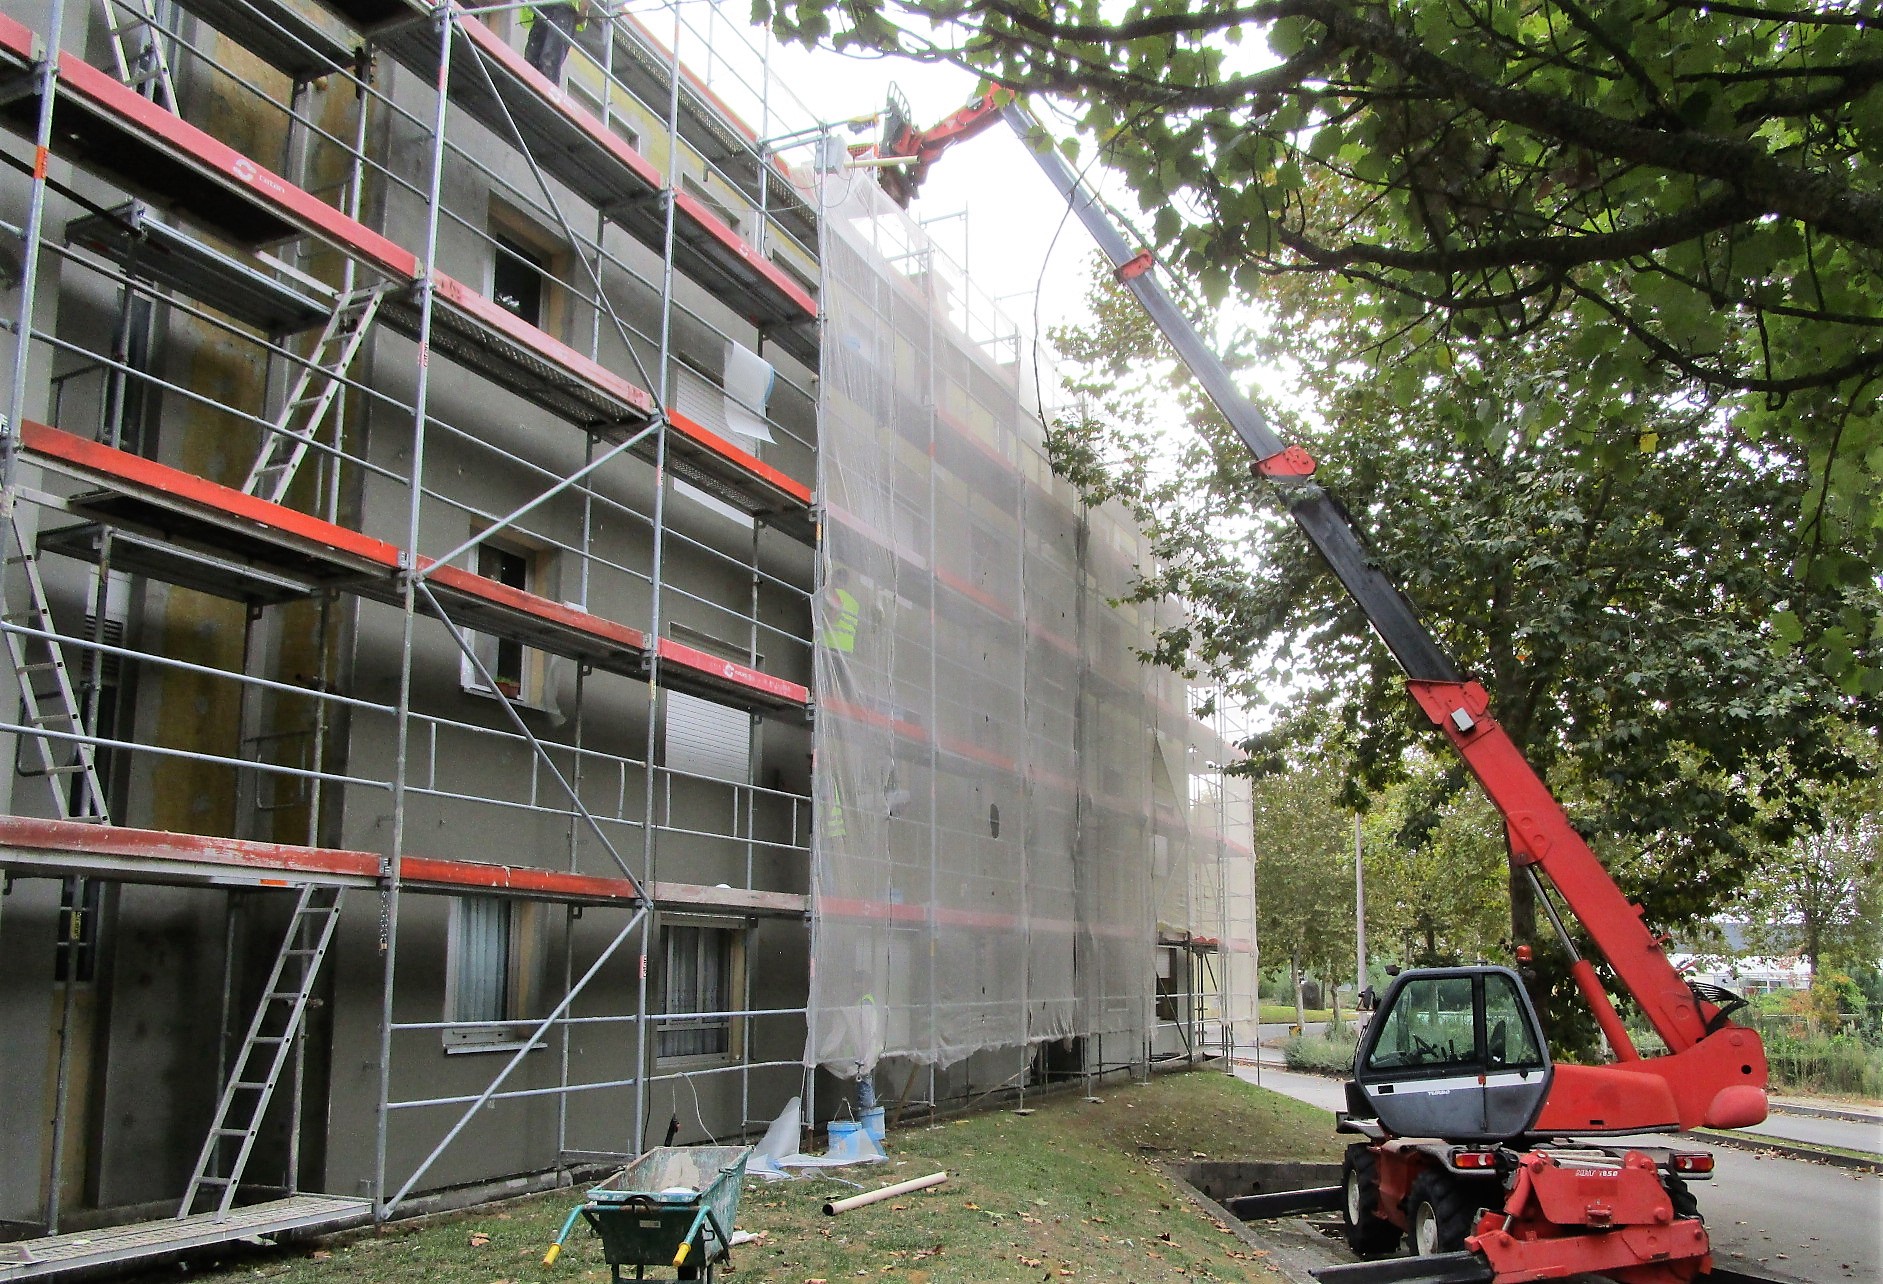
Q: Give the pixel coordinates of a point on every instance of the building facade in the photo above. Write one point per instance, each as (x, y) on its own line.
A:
(537, 624)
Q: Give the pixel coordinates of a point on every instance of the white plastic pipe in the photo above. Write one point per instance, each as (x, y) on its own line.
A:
(888, 1192)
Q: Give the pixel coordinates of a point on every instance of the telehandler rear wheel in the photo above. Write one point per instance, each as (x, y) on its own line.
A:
(1368, 1234)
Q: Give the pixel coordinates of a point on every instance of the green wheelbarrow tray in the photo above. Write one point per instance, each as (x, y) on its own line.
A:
(671, 1208)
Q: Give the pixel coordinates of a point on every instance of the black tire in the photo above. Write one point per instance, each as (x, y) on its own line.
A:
(1368, 1234)
(1440, 1211)
(1685, 1205)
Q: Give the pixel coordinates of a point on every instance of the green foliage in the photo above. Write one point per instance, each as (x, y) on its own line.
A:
(1329, 1052)
(1828, 1039)
(1610, 579)
(1436, 872)
(1304, 869)
(1655, 194)
(1821, 895)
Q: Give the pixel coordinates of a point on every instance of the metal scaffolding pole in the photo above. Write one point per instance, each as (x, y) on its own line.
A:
(389, 904)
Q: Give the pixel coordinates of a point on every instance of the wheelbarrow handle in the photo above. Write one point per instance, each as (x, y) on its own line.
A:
(555, 1249)
(686, 1242)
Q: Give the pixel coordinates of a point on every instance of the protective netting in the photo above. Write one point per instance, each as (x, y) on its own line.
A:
(1004, 792)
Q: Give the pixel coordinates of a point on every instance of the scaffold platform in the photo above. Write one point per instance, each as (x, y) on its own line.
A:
(112, 1248)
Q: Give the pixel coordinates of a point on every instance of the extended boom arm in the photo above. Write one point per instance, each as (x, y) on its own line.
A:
(1715, 1071)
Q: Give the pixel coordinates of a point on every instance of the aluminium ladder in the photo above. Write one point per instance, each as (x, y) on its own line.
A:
(311, 395)
(265, 1051)
(33, 648)
(137, 46)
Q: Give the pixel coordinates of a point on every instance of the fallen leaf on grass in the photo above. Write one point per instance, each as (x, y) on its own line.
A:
(479, 1239)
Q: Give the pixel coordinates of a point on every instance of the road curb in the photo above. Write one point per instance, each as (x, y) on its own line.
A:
(1791, 1150)
(1826, 1112)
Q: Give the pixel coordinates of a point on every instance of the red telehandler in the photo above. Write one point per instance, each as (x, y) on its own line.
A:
(1493, 1160)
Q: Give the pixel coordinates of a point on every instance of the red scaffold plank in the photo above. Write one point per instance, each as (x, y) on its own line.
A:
(115, 467)
(728, 456)
(19, 834)
(121, 469)
(157, 139)
(737, 675)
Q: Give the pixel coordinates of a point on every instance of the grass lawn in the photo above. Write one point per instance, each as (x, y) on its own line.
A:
(1272, 1012)
(1073, 1191)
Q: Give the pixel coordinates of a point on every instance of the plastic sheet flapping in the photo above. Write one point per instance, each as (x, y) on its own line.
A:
(1003, 790)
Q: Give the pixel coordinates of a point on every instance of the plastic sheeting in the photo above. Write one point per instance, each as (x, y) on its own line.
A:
(1004, 791)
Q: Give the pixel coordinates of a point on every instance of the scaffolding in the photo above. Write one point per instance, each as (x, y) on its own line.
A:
(424, 477)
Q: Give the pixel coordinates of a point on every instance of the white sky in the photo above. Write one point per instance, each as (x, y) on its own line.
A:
(1007, 239)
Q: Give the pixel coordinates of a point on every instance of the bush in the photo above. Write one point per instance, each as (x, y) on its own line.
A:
(1329, 1053)
(1838, 1063)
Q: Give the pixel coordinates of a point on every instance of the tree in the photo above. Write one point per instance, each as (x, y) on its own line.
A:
(1435, 872)
(1304, 870)
(1680, 191)
(1612, 580)
(1821, 897)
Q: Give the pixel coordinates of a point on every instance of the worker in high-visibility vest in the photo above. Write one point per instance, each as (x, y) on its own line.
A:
(552, 30)
(842, 611)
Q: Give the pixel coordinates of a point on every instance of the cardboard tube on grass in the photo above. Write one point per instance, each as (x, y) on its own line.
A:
(888, 1192)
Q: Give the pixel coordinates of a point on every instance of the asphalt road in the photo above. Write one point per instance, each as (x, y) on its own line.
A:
(1788, 1219)
(1845, 1134)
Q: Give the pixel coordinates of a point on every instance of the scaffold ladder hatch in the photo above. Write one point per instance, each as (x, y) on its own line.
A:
(312, 394)
(266, 1049)
(137, 47)
(33, 648)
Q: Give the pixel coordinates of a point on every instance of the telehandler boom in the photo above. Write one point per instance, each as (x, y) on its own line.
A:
(1489, 1155)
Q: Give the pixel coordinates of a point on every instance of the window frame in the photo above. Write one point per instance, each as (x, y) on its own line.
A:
(511, 234)
(735, 933)
(524, 952)
(538, 562)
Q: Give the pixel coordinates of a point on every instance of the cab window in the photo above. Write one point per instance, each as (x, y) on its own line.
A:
(1432, 1025)
(1509, 1039)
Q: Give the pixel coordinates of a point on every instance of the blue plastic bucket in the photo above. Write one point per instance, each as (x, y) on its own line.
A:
(872, 1121)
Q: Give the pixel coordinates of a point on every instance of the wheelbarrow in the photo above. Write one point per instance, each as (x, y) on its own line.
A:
(672, 1207)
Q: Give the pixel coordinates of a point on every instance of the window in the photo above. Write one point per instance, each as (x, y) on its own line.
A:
(1510, 1039)
(525, 266)
(514, 669)
(718, 208)
(495, 970)
(590, 97)
(708, 739)
(516, 280)
(700, 967)
(1431, 1026)
(1170, 965)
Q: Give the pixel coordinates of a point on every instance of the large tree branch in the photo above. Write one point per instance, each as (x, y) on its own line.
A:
(1818, 199)
(1558, 252)
(1863, 364)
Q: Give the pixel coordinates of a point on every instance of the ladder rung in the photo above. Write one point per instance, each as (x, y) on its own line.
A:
(232, 1132)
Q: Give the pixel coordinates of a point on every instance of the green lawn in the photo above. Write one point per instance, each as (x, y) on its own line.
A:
(1286, 1012)
(1072, 1191)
